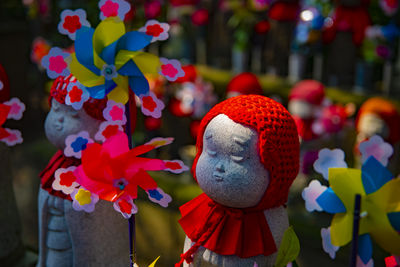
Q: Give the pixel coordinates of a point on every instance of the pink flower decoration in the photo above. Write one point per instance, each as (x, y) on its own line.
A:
(175, 166)
(200, 17)
(158, 30)
(113, 8)
(171, 69)
(389, 6)
(377, 148)
(55, 63)
(310, 195)
(71, 21)
(108, 129)
(13, 138)
(115, 112)
(152, 9)
(17, 108)
(65, 180)
(151, 105)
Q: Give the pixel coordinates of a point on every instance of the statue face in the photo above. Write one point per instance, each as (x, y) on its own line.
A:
(369, 125)
(63, 120)
(301, 109)
(229, 169)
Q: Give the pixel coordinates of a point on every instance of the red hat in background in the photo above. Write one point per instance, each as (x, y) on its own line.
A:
(4, 85)
(245, 83)
(385, 110)
(311, 91)
(190, 74)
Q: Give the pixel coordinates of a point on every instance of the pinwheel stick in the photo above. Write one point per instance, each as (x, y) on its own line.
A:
(356, 225)
(131, 220)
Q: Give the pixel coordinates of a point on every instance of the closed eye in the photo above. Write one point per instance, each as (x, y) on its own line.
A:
(237, 158)
(211, 152)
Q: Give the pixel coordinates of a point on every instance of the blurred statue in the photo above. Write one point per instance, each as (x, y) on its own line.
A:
(68, 237)
(378, 116)
(247, 158)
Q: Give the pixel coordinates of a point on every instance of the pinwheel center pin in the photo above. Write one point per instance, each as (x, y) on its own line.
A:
(109, 72)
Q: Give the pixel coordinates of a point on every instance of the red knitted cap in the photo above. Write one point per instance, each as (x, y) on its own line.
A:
(308, 90)
(93, 107)
(245, 83)
(278, 141)
(385, 110)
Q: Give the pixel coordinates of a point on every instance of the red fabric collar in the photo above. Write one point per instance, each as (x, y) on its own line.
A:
(47, 175)
(226, 231)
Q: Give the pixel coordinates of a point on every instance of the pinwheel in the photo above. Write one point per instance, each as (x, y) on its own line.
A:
(113, 172)
(380, 207)
(108, 61)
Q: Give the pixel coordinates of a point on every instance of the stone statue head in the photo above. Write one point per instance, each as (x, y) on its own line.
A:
(247, 152)
(63, 120)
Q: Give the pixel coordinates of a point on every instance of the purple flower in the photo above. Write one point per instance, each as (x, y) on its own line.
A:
(108, 129)
(71, 21)
(55, 63)
(311, 193)
(329, 159)
(171, 69)
(14, 137)
(115, 112)
(158, 196)
(377, 148)
(113, 8)
(17, 108)
(83, 199)
(327, 243)
(125, 206)
(77, 95)
(76, 143)
(151, 105)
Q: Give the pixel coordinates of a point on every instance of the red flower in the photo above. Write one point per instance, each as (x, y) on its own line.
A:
(72, 23)
(111, 130)
(75, 94)
(67, 178)
(148, 103)
(200, 17)
(154, 30)
(173, 165)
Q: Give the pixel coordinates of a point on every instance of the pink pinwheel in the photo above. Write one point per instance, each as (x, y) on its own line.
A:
(113, 172)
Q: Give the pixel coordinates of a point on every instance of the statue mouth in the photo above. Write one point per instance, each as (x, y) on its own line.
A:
(58, 127)
(218, 177)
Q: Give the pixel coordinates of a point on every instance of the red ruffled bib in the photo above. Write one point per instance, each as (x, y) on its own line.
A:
(47, 175)
(224, 230)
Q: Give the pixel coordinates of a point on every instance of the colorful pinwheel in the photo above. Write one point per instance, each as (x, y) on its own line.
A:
(108, 60)
(380, 207)
(113, 172)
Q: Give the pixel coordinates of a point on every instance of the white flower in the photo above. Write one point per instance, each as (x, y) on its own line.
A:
(329, 159)
(311, 193)
(377, 148)
(327, 243)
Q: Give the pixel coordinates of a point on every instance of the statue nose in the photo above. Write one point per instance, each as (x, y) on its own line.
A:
(61, 119)
(220, 166)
